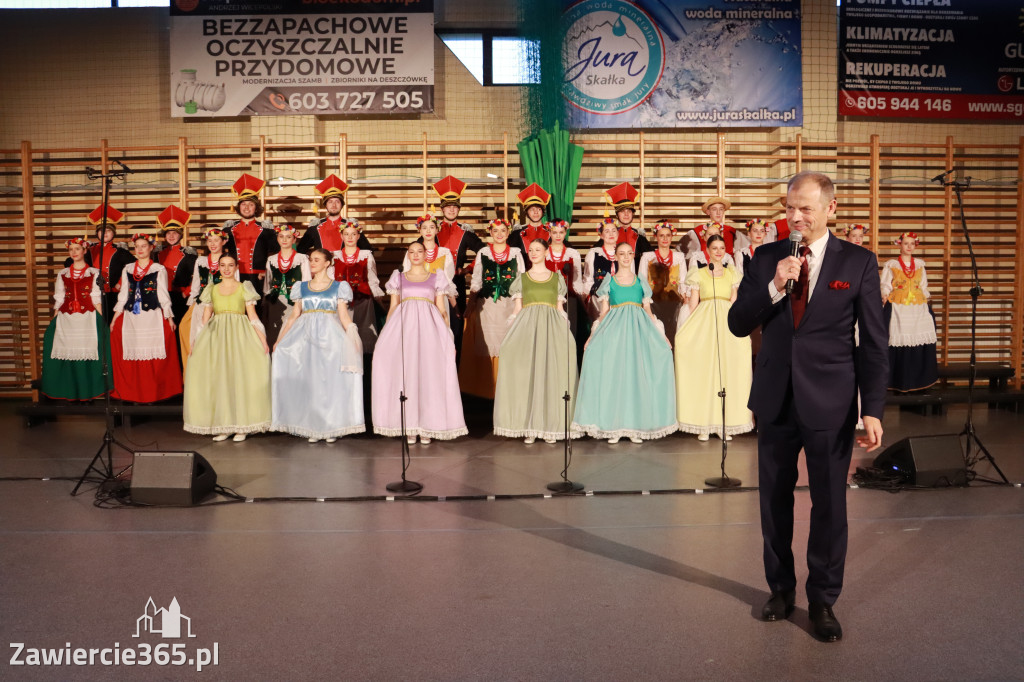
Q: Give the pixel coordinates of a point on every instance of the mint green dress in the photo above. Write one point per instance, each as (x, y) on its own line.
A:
(537, 363)
(227, 380)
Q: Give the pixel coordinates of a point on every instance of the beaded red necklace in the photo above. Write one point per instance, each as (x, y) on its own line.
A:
(558, 260)
(664, 261)
(135, 271)
(285, 265)
(350, 260)
(909, 272)
(501, 258)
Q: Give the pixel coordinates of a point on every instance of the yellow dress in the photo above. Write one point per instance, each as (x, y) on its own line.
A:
(698, 407)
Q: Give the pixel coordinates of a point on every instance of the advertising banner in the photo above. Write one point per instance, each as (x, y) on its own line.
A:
(932, 59)
(287, 57)
(682, 63)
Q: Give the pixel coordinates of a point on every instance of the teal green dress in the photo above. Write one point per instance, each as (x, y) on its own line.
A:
(537, 364)
(227, 380)
(627, 383)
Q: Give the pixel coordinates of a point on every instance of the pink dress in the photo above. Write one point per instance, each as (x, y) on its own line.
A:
(415, 350)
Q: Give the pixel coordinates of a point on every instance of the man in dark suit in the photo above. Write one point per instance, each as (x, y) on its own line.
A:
(804, 392)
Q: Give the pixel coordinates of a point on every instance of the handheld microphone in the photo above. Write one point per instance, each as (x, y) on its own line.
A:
(795, 238)
(941, 176)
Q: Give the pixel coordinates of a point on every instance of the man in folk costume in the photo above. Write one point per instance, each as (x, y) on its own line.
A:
(251, 240)
(460, 239)
(696, 240)
(178, 259)
(534, 201)
(623, 199)
(326, 232)
(106, 256)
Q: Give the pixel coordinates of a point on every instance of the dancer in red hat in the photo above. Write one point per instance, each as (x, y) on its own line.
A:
(115, 256)
(459, 238)
(534, 201)
(177, 258)
(251, 240)
(325, 232)
(623, 199)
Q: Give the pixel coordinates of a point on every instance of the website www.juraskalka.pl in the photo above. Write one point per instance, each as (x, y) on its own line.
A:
(761, 114)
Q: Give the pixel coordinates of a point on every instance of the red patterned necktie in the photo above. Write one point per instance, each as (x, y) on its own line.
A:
(799, 302)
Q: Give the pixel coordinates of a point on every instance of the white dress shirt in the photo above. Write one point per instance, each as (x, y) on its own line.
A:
(814, 260)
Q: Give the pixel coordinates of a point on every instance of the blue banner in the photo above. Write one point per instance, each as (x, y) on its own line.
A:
(682, 63)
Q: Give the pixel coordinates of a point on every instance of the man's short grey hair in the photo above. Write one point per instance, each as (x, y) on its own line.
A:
(824, 183)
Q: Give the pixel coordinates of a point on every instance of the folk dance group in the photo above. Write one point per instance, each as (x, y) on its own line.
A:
(636, 334)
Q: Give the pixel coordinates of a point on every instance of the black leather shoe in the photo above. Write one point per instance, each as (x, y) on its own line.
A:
(826, 627)
(779, 606)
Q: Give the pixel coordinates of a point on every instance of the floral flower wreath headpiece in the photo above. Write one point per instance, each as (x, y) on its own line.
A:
(665, 226)
(558, 222)
(601, 224)
(425, 218)
(913, 235)
(215, 232)
(142, 235)
(350, 223)
(757, 222)
(81, 241)
(498, 222)
(285, 228)
(855, 226)
(704, 228)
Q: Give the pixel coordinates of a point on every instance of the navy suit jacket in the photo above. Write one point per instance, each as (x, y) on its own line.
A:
(819, 359)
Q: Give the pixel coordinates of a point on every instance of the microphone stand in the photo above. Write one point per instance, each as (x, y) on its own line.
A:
(102, 462)
(722, 481)
(974, 450)
(405, 485)
(565, 486)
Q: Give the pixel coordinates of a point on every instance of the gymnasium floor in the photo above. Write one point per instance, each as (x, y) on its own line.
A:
(612, 585)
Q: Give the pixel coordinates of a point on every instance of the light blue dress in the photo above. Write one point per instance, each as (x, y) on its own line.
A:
(627, 383)
(317, 371)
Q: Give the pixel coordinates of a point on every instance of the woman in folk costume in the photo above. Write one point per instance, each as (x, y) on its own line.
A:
(106, 255)
(487, 312)
(566, 261)
(205, 272)
(534, 201)
(436, 257)
(708, 356)
(325, 232)
(357, 267)
(757, 232)
(600, 263)
(284, 269)
(912, 356)
(251, 240)
(227, 381)
(142, 344)
(664, 271)
(318, 354)
(177, 258)
(537, 360)
(415, 358)
(75, 338)
(461, 241)
(626, 384)
(701, 257)
(695, 241)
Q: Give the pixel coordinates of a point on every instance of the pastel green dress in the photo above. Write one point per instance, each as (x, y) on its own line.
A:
(227, 380)
(537, 364)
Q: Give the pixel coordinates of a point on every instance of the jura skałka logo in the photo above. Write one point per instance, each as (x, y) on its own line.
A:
(613, 56)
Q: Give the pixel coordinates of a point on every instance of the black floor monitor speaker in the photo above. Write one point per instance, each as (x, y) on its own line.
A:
(171, 478)
(927, 461)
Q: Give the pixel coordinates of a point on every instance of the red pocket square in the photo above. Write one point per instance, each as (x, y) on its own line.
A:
(836, 284)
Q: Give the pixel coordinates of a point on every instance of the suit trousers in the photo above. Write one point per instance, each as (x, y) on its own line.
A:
(827, 454)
